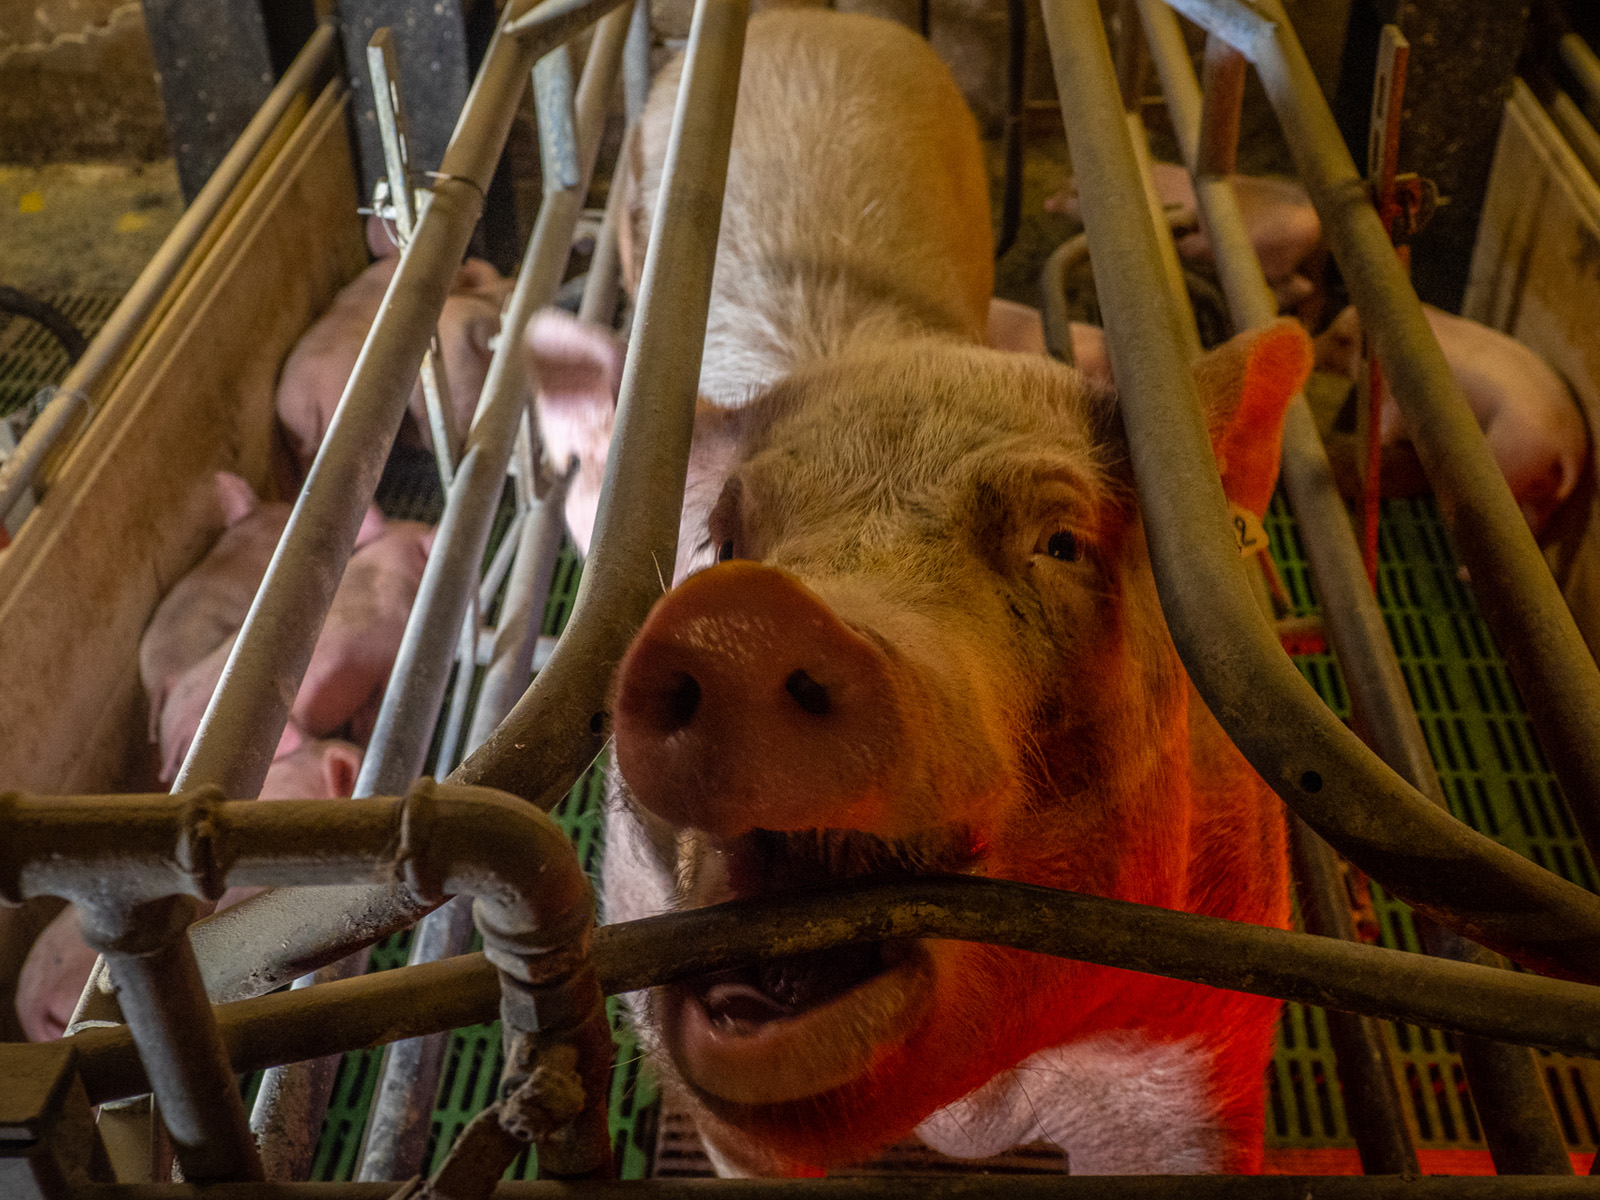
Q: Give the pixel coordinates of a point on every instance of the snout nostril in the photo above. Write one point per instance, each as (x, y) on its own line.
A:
(807, 692)
(682, 701)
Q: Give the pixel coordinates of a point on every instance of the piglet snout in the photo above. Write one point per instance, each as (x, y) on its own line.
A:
(746, 703)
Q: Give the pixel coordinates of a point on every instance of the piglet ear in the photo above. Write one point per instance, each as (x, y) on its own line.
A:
(578, 369)
(1246, 385)
(372, 524)
(341, 764)
(236, 497)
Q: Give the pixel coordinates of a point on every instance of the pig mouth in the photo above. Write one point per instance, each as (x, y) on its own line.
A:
(794, 1027)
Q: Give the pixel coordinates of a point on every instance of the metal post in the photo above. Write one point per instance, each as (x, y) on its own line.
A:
(1515, 1113)
(1298, 747)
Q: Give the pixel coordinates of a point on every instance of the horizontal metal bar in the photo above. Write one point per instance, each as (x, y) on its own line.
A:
(1290, 737)
(75, 393)
(930, 1187)
(1324, 972)
(1553, 668)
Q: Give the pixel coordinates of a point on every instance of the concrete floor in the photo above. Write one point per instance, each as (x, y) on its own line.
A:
(69, 227)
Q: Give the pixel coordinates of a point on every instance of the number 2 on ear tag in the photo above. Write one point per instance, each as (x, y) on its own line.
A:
(1248, 530)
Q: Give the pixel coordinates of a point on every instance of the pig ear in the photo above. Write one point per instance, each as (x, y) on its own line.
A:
(236, 496)
(372, 523)
(380, 238)
(579, 369)
(341, 763)
(1246, 385)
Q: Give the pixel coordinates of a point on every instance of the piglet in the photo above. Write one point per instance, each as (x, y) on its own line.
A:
(1526, 411)
(58, 966)
(318, 368)
(1019, 328)
(1278, 216)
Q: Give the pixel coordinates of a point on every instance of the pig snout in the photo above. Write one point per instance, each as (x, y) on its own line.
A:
(745, 703)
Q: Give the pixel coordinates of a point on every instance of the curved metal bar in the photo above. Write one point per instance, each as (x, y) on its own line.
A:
(1298, 746)
(1553, 668)
(149, 291)
(1326, 972)
(1518, 1121)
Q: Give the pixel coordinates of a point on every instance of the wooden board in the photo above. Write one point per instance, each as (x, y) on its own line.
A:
(127, 515)
(1536, 275)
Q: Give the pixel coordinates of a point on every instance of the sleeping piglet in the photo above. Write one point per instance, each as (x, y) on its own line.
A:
(1526, 411)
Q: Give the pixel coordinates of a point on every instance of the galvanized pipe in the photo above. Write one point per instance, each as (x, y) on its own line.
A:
(1301, 749)
(1552, 666)
(559, 726)
(156, 283)
(1514, 1110)
(1325, 972)
(534, 907)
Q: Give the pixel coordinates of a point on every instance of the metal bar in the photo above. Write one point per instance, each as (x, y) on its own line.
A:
(1366, 1071)
(1243, 24)
(558, 121)
(557, 21)
(599, 303)
(501, 563)
(559, 726)
(1553, 669)
(932, 1187)
(466, 667)
(1325, 972)
(636, 63)
(1222, 97)
(1514, 1111)
(1299, 748)
(150, 290)
(534, 908)
(1585, 68)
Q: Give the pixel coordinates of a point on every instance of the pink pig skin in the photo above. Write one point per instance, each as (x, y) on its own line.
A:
(318, 368)
(58, 966)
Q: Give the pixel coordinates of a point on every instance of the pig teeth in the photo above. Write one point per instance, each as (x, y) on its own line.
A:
(740, 1008)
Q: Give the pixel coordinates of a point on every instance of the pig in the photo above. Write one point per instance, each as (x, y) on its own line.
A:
(1278, 216)
(319, 366)
(58, 965)
(1526, 411)
(190, 635)
(915, 630)
(1020, 329)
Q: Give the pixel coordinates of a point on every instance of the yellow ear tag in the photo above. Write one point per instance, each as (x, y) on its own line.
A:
(1249, 531)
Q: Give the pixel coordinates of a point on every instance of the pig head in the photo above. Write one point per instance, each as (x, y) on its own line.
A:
(931, 643)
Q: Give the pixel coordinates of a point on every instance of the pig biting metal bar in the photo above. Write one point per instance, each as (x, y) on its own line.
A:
(1518, 1123)
(1336, 784)
(137, 855)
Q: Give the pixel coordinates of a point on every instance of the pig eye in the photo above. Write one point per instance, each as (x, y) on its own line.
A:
(1061, 545)
(725, 551)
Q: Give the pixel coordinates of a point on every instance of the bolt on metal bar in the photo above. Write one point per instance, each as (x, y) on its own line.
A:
(1515, 1113)
(1341, 788)
(1325, 972)
(559, 726)
(1553, 669)
(72, 399)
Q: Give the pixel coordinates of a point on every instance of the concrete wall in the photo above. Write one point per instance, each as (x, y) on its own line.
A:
(77, 83)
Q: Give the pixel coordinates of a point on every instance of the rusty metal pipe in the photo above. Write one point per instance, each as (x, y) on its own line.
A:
(1301, 749)
(1325, 972)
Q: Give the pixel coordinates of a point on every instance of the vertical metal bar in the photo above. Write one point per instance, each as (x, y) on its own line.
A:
(599, 303)
(466, 667)
(558, 133)
(1512, 1107)
(636, 62)
(1585, 68)
(1221, 99)
(559, 726)
(385, 73)
(1553, 669)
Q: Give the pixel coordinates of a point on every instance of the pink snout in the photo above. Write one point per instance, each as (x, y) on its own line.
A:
(745, 703)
